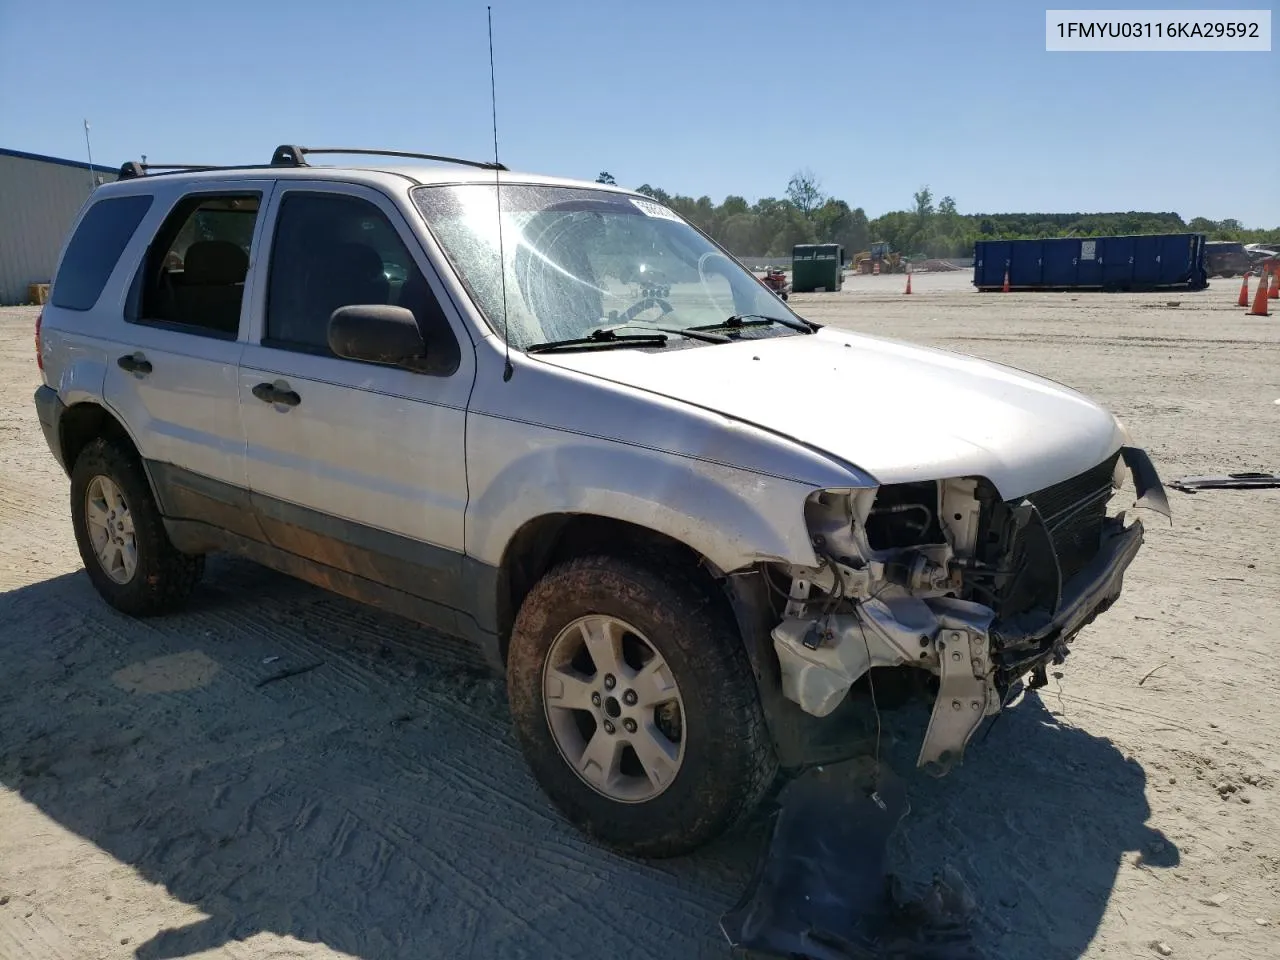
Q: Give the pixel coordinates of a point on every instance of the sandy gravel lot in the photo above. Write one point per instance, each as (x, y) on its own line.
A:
(156, 802)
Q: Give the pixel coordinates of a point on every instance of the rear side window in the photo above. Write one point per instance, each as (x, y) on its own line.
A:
(194, 275)
(103, 233)
(333, 251)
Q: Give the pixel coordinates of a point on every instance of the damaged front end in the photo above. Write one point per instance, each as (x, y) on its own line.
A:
(948, 578)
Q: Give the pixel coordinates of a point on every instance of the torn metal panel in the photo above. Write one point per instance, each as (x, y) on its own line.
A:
(966, 694)
(821, 891)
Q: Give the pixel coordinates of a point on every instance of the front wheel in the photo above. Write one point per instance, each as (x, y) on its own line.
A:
(636, 707)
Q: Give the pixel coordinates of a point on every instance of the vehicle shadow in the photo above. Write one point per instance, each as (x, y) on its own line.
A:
(292, 763)
(1037, 822)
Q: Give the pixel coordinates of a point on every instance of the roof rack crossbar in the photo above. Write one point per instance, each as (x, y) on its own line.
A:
(133, 169)
(295, 156)
(289, 155)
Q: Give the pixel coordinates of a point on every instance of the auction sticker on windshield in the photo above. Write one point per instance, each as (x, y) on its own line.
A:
(654, 209)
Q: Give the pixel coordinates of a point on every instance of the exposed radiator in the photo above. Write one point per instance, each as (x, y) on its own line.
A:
(1074, 511)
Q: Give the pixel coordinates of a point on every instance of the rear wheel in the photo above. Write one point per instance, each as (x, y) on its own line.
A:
(636, 707)
(123, 544)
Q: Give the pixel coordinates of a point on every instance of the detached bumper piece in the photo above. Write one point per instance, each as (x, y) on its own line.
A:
(821, 891)
(1230, 481)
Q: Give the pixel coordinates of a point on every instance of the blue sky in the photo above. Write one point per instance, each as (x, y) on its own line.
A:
(713, 97)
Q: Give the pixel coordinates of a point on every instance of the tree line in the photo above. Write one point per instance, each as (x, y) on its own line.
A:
(771, 226)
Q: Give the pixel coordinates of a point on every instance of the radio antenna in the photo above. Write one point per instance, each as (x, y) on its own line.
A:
(507, 369)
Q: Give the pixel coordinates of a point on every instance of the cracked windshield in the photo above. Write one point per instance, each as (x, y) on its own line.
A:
(581, 260)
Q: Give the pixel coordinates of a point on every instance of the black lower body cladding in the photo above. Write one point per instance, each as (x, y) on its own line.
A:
(49, 410)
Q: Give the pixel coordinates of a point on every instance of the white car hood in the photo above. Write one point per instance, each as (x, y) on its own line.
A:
(897, 411)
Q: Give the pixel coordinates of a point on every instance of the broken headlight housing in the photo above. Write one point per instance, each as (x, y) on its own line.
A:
(893, 537)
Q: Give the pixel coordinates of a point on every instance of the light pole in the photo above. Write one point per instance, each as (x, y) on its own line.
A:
(93, 183)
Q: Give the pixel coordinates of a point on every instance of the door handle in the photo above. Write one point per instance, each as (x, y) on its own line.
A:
(270, 393)
(134, 363)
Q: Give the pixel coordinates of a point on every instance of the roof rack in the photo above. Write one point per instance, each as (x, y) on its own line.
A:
(133, 169)
(288, 155)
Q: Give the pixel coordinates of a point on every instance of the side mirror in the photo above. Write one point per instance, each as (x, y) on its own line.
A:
(376, 333)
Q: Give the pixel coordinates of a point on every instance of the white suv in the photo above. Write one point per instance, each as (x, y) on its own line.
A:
(569, 427)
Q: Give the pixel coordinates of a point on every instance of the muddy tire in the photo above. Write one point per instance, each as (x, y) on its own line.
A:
(666, 727)
(123, 544)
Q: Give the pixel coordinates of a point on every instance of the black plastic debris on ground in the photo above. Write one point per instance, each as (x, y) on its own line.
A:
(821, 891)
(1228, 481)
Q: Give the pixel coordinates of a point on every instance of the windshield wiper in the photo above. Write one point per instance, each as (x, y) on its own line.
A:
(740, 320)
(678, 331)
(602, 338)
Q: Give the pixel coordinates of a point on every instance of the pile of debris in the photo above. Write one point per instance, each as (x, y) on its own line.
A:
(935, 266)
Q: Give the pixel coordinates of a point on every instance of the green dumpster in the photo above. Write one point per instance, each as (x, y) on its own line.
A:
(817, 266)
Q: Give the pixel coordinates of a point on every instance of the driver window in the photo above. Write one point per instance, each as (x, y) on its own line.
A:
(333, 250)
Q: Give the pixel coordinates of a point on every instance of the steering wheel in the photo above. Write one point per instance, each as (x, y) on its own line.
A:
(702, 278)
(643, 304)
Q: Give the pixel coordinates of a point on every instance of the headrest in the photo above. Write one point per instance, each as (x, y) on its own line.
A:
(214, 263)
(353, 259)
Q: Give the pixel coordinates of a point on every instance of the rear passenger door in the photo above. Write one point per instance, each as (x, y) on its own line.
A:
(362, 468)
(173, 379)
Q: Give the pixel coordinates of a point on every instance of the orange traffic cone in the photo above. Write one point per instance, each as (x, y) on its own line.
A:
(1260, 300)
(1275, 284)
(1005, 289)
(1244, 292)
(908, 290)
(875, 268)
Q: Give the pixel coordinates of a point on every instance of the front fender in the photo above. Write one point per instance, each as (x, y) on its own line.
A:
(730, 516)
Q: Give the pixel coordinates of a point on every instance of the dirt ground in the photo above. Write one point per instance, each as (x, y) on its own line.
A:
(158, 800)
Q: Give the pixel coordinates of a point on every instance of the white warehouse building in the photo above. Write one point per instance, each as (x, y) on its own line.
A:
(39, 198)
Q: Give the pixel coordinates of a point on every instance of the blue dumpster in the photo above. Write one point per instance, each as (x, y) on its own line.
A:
(1155, 262)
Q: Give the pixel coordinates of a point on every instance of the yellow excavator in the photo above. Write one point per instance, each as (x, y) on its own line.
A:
(879, 253)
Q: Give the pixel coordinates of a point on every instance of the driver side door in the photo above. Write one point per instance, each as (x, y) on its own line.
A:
(356, 466)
